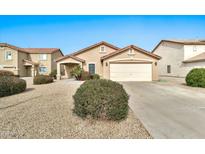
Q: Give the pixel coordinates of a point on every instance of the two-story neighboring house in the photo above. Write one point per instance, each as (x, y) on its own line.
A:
(180, 56)
(27, 62)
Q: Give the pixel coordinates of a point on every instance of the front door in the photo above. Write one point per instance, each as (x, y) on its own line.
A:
(91, 68)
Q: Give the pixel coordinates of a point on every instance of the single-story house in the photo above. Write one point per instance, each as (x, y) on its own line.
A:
(130, 63)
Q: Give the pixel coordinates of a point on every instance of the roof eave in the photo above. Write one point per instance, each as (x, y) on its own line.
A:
(70, 56)
(134, 47)
(193, 61)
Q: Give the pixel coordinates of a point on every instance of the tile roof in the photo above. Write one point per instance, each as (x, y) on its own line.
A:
(31, 50)
(88, 48)
(11, 46)
(182, 42)
(93, 46)
(188, 42)
(198, 58)
(30, 62)
(129, 47)
(40, 50)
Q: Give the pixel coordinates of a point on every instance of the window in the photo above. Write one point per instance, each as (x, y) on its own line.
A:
(91, 68)
(194, 48)
(131, 52)
(8, 55)
(102, 49)
(43, 69)
(168, 68)
(43, 56)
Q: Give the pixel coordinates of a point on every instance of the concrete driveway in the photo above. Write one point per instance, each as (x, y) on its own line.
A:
(168, 110)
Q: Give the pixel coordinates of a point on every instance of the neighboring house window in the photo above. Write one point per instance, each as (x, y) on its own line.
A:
(91, 68)
(102, 49)
(194, 48)
(43, 69)
(43, 56)
(8, 55)
(168, 68)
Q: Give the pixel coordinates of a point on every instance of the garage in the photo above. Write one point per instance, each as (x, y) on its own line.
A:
(131, 72)
(130, 64)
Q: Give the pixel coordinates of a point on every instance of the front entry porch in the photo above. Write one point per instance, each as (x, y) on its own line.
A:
(67, 64)
(31, 68)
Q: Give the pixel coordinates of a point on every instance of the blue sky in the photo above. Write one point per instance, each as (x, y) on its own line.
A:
(71, 33)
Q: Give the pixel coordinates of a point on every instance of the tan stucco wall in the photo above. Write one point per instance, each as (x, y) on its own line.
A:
(190, 52)
(68, 60)
(93, 56)
(49, 63)
(46, 63)
(124, 55)
(68, 69)
(21, 67)
(55, 56)
(173, 54)
(68, 65)
(13, 64)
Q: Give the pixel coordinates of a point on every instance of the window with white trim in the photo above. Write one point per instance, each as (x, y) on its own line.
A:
(8, 55)
(43, 57)
(102, 48)
(43, 69)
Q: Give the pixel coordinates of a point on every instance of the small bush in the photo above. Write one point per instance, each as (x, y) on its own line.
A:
(95, 76)
(76, 72)
(85, 76)
(196, 77)
(6, 73)
(42, 79)
(101, 99)
(53, 74)
(10, 85)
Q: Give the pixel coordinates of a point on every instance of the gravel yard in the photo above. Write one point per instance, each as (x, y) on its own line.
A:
(45, 111)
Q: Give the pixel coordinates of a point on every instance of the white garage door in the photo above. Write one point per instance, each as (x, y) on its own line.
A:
(131, 72)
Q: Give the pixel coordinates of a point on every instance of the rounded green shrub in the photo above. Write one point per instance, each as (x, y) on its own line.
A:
(53, 74)
(85, 76)
(42, 79)
(95, 76)
(10, 85)
(196, 77)
(101, 99)
(6, 73)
